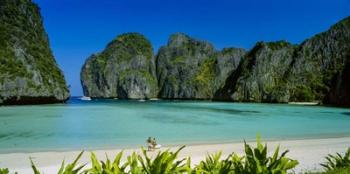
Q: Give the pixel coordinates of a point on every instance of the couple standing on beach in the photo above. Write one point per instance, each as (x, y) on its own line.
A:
(152, 144)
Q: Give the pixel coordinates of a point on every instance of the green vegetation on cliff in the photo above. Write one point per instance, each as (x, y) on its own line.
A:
(282, 72)
(17, 31)
(133, 43)
(25, 55)
(125, 69)
(205, 77)
(188, 68)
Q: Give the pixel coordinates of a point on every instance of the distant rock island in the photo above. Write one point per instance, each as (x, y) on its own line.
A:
(186, 68)
(28, 71)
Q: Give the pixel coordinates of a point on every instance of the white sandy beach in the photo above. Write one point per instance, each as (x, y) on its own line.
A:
(309, 153)
(304, 103)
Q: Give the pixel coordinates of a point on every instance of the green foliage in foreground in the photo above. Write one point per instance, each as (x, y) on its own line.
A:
(4, 171)
(213, 164)
(108, 166)
(258, 162)
(254, 161)
(337, 161)
(335, 171)
(336, 164)
(339, 171)
(69, 169)
(164, 162)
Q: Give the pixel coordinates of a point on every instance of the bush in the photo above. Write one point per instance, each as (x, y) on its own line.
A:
(337, 161)
(339, 171)
(4, 171)
(335, 171)
(69, 169)
(302, 93)
(257, 162)
(214, 165)
(165, 162)
(108, 166)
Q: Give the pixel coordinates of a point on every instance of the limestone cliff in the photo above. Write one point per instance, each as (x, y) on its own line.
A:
(188, 68)
(125, 69)
(280, 72)
(262, 74)
(28, 71)
(191, 69)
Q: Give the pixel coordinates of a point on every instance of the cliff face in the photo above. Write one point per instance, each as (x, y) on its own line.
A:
(28, 71)
(125, 69)
(339, 93)
(185, 68)
(281, 72)
(319, 60)
(262, 75)
(277, 72)
(178, 67)
(191, 69)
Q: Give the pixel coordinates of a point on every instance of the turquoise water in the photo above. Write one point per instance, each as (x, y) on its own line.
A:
(122, 124)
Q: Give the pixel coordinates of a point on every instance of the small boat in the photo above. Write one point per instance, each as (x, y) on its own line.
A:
(142, 100)
(85, 98)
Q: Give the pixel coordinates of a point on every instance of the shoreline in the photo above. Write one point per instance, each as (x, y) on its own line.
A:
(168, 145)
(305, 103)
(309, 153)
(66, 102)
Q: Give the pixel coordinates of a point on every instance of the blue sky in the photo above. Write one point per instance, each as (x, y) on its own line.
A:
(78, 28)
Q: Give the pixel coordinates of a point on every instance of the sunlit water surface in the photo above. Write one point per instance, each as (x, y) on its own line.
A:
(124, 124)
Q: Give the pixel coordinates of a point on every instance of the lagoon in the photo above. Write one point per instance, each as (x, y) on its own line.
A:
(103, 124)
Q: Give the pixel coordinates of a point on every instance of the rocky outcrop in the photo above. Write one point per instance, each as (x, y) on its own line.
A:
(125, 69)
(187, 68)
(281, 72)
(227, 62)
(28, 71)
(191, 69)
(261, 76)
(319, 60)
(339, 93)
